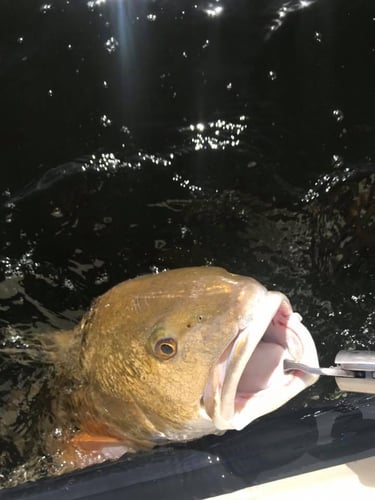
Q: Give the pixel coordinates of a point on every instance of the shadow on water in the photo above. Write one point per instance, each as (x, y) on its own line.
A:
(141, 136)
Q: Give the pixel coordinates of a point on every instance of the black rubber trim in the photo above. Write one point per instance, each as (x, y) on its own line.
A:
(280, 445)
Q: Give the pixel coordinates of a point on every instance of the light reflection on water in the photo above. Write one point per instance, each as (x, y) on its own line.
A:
(193, 220)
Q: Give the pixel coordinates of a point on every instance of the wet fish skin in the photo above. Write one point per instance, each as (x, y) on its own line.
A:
(138, 364)
(114, 344)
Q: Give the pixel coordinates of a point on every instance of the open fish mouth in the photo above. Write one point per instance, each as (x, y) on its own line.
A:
(248, 380)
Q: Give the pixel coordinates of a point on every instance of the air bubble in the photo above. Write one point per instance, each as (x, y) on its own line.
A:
(318, 37)
(68, 284)
(159, 244)
(272, 75)
(337, 161)
(101, 278)
(57, 213)
(338, 114)
(45, 8)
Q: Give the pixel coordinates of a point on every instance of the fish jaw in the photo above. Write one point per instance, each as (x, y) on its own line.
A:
(248, 380)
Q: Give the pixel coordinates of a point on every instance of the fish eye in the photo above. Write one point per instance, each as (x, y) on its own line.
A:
(165, 348)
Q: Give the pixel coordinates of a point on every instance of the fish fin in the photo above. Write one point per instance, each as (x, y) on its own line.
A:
(83, 438)
(85, 449)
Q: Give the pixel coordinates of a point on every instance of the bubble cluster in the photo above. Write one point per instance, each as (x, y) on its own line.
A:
(326, 182)
(272, 75)
(106, 162)
(91, 4)
(45, 8)
(318, 37)
(155, 159)
(280, 15)
(111, 45)
(338, 115)
(105, 121)
(15, 268)
(216, 135)
(186, 183)
(213, 10)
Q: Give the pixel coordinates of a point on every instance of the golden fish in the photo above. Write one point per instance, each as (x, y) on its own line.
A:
(173, 357)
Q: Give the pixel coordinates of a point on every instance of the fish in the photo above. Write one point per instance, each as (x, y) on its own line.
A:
(172, 357)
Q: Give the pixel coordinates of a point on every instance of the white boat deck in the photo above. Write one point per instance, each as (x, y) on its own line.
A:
(351, 480)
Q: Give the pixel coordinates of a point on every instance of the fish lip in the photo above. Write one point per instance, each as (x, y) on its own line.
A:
(223, 402)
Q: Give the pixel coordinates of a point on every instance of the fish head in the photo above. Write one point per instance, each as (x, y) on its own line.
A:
(189, 352)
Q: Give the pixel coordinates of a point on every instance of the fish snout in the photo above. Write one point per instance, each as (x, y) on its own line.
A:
(248, 380)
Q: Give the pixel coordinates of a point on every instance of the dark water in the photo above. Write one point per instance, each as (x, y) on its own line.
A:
(141, 135)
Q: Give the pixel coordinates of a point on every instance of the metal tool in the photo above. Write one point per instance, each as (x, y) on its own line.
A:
(355, 371)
